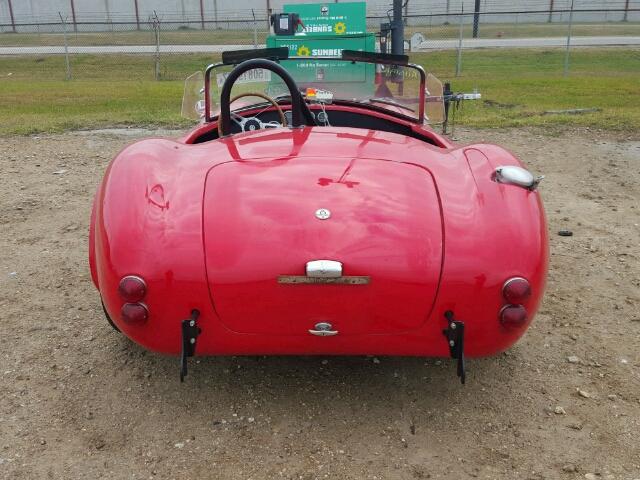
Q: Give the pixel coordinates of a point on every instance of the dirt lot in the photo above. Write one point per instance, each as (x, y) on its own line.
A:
(78, 400)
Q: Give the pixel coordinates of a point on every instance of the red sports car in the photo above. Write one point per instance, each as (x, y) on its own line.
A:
(320, 215)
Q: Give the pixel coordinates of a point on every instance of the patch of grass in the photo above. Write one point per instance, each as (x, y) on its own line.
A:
(532, 82)
(113, 90)
(101, 67)
(57, 106)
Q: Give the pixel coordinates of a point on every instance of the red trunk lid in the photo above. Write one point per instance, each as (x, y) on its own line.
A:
(260, 223)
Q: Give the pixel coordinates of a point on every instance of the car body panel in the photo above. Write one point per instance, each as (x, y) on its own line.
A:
(260, 223)
(149, 220)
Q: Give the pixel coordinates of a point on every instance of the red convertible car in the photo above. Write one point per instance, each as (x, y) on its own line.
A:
(321, 214)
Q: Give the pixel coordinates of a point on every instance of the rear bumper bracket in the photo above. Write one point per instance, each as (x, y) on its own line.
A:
(190, 332)
(455, 337)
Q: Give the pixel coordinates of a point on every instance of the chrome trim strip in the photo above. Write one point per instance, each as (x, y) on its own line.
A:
(304, 280)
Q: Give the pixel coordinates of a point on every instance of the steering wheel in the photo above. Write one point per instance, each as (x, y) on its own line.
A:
(248, 124)
(300, 113)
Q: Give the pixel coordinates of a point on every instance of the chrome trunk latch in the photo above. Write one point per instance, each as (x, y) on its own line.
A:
(324, 269)
(324, 272)
(323, 329)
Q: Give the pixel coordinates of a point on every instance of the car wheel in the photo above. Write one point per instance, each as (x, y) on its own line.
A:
(106, 314)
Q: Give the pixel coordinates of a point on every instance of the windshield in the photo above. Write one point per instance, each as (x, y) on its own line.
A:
(393, 88)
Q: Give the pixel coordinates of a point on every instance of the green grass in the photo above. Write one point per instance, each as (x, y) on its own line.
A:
(517, 87)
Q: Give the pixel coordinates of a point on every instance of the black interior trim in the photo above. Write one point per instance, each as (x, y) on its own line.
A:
(236, 56)
(341, 118)
(388, 58)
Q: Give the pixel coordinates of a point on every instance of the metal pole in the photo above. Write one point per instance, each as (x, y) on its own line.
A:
(73, 16)
(66, 49)
(13, 20)
(566, 54)
(202, 14)
(397, 29)
(624, 19)
(255, 30)
(476, 19)
(135, 4)
(550, 11)
(156, 28)
(459, 59)
(107, 11)
(268, 14)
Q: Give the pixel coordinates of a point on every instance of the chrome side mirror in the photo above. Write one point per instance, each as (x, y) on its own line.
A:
(512, 175)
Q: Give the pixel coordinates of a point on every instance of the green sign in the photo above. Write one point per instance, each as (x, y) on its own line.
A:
(322, 45)
(308, 70)
(331, 18)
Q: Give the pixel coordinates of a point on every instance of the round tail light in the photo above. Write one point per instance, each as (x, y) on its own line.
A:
(134, 313)
(513, 315)
(516, 290)
(132, 289)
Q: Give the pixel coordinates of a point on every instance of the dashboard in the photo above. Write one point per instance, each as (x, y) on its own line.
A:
(320, 116)
(330, 117)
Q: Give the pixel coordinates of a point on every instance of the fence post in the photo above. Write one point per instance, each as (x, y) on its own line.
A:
(268, 14)
(626, 11)
(66, 48)
(459, 59)
(13, 20)
(566, 53)
(476, 18)
(135, 6)
(73, 16)
(255, 30)
(156, 32)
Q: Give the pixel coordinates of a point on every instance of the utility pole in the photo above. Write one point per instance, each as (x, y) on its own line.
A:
(550, 11)
(397, 29)
(202, 14)
(476, 19)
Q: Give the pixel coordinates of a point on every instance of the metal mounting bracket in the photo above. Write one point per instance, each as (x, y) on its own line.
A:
(455, 337)
(190, 332)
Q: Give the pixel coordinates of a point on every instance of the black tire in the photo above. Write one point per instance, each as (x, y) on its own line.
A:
(106, 314)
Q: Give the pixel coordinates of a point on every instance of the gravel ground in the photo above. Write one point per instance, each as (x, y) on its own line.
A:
(78, 400)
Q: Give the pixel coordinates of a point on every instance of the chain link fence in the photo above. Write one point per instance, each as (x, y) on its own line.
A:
(163, 47)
